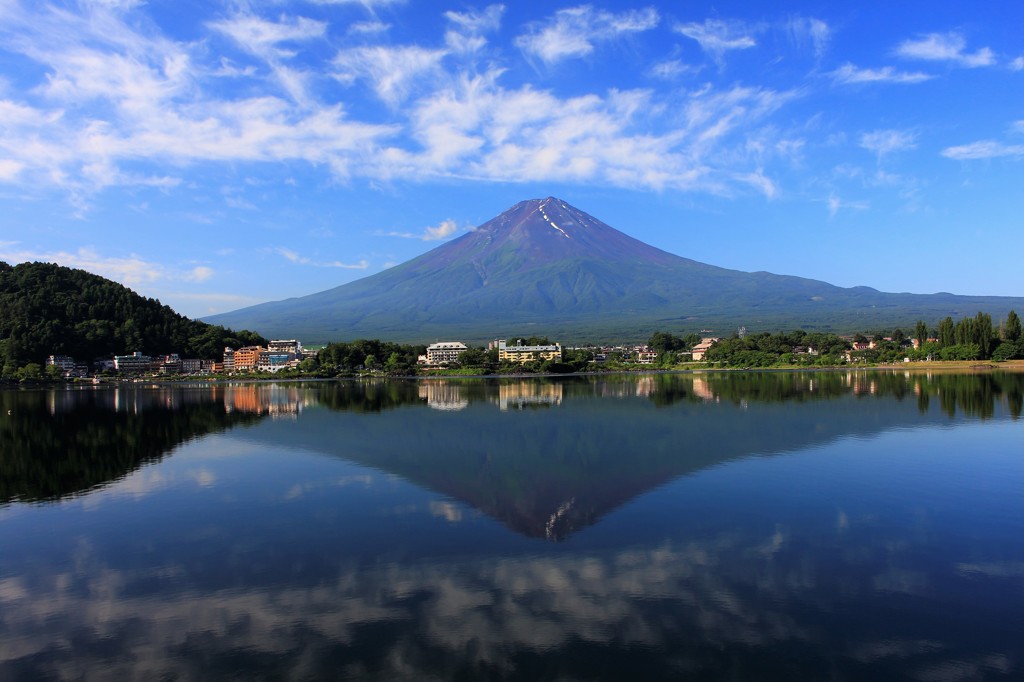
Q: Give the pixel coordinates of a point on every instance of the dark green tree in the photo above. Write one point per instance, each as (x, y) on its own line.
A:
(48, 309)
(921, 333)
(947, 332)
(1012, 327)
(984, 333)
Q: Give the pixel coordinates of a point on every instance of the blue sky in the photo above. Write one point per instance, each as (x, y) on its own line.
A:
(219, 153)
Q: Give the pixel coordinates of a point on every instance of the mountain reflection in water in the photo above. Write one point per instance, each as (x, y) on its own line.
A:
(544, 478)
(736, 525)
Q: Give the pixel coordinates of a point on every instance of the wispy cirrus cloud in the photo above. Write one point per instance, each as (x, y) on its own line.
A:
(115, 96)
(443, 230)
(488, 19)
(369, 4)
(885, 142)
(717, 36)
(392, 72)
(573, 32)
(477, 129)
(267, 39)
(802, 30)
(119, 101)
(945, 47)
(848, 74)
(468, 28)
(10, 169)
(835, 204)
(671, 69)
(366, 28)
(984, 149)
(295, 257)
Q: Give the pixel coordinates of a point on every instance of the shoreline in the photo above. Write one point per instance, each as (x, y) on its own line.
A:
(961, 366)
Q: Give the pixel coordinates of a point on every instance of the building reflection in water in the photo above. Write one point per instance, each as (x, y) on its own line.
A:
(702, 390)
(443, 395)
(523, 394)
(275, 400)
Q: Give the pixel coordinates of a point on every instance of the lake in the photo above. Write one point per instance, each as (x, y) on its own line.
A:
(709, 526)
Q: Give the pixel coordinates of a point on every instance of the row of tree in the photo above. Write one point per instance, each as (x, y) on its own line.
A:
(974, 338)
(787, 348)
(342, 358)
(970, 338)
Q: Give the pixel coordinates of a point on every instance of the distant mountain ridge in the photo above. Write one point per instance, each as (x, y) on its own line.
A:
(546, 265)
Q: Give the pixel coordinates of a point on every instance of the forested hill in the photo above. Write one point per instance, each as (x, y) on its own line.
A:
(49, 309)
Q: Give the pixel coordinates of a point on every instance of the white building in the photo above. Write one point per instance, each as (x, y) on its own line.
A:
(66, 363)
(286, 346)
(136, 362)
(443, 352)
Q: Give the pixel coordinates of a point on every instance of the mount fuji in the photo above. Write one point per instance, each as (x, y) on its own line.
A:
(544, 267)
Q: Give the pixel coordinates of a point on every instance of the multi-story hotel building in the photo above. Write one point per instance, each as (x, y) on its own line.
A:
(136, 362)
(65, 362)
(443, 352)
(247, 358)
(285, 346)
(229, 359)
(523, 354)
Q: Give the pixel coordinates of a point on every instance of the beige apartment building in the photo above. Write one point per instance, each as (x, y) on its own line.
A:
(523, 354)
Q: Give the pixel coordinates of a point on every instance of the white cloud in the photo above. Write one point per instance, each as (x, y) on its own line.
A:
(114, 96)
(477, 129)
(804, 29)
(13, 114)
(263, 39)
(466, 36)
(291, 255)
(442, 231)
(671, 69)
(884, 142)
(368, 27)
(294, 257)
(369, 4)
(761, 182)
(716, 37)
(119, 102)
(360, 265)
(573, 31)
(1017, 64)
(10, 169)
(983, 149)
(392, 71)
(835, 204)
(850, 74)
(478, 22)
(200, 273)
(945, 47)
(131, 270)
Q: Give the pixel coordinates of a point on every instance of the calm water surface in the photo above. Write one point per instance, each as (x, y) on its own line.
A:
(760, 526)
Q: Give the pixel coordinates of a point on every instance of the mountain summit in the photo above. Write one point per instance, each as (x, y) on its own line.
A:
(549, 230)
(544, 265)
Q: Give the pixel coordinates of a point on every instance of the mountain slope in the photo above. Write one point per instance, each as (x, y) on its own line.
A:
(545, 263)
(47, 308)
